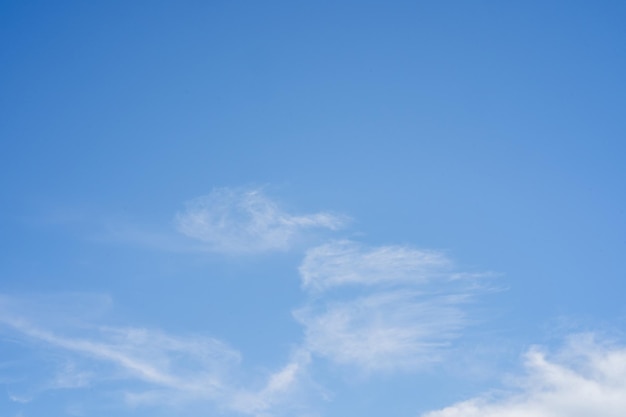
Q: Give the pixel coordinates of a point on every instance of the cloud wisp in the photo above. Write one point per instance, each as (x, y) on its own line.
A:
(230, 220)
(383, 332)
(143, 355)
(586, 378)
(149, 367)
(346, 262)
(283, 389)
(385, 308)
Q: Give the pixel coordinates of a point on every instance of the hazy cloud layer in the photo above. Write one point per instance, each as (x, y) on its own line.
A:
(402, 308)
(233, 220)
(586, 378)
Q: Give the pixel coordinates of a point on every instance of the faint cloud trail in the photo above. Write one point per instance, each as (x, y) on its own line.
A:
(176, 371)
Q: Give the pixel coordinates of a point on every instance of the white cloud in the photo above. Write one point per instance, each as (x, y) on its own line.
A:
(386, 331)
(347, 262)
(283, 388)
(586, 378)
(162, 369)
(392, 308)
(243, 221)
(192, 365)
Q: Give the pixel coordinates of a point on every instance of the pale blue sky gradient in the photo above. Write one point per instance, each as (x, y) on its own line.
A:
(448, 175)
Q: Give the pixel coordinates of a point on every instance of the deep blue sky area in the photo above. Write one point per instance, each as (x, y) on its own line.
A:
(368, 208)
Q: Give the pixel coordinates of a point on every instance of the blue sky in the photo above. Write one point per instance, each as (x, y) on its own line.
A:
(312, 209)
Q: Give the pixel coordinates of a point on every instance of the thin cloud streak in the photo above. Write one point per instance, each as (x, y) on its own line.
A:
(176, 371)
(586, 378)
(231, 220)
(143, 354)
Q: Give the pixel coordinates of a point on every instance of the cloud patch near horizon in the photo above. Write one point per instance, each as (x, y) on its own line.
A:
(238, 220)
(585, 378)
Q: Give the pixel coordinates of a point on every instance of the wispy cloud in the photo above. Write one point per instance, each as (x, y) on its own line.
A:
(284, 388)
(586, 378)
(347, 262)
(371, 308)
(232, 220)
(228, 220)
(388, 331)
(149, 367)
(391, 307)
(142, 354)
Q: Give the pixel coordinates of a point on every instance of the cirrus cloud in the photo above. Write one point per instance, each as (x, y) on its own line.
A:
(347, 262)
(143, 367)
(235, 220)
(385, 308)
